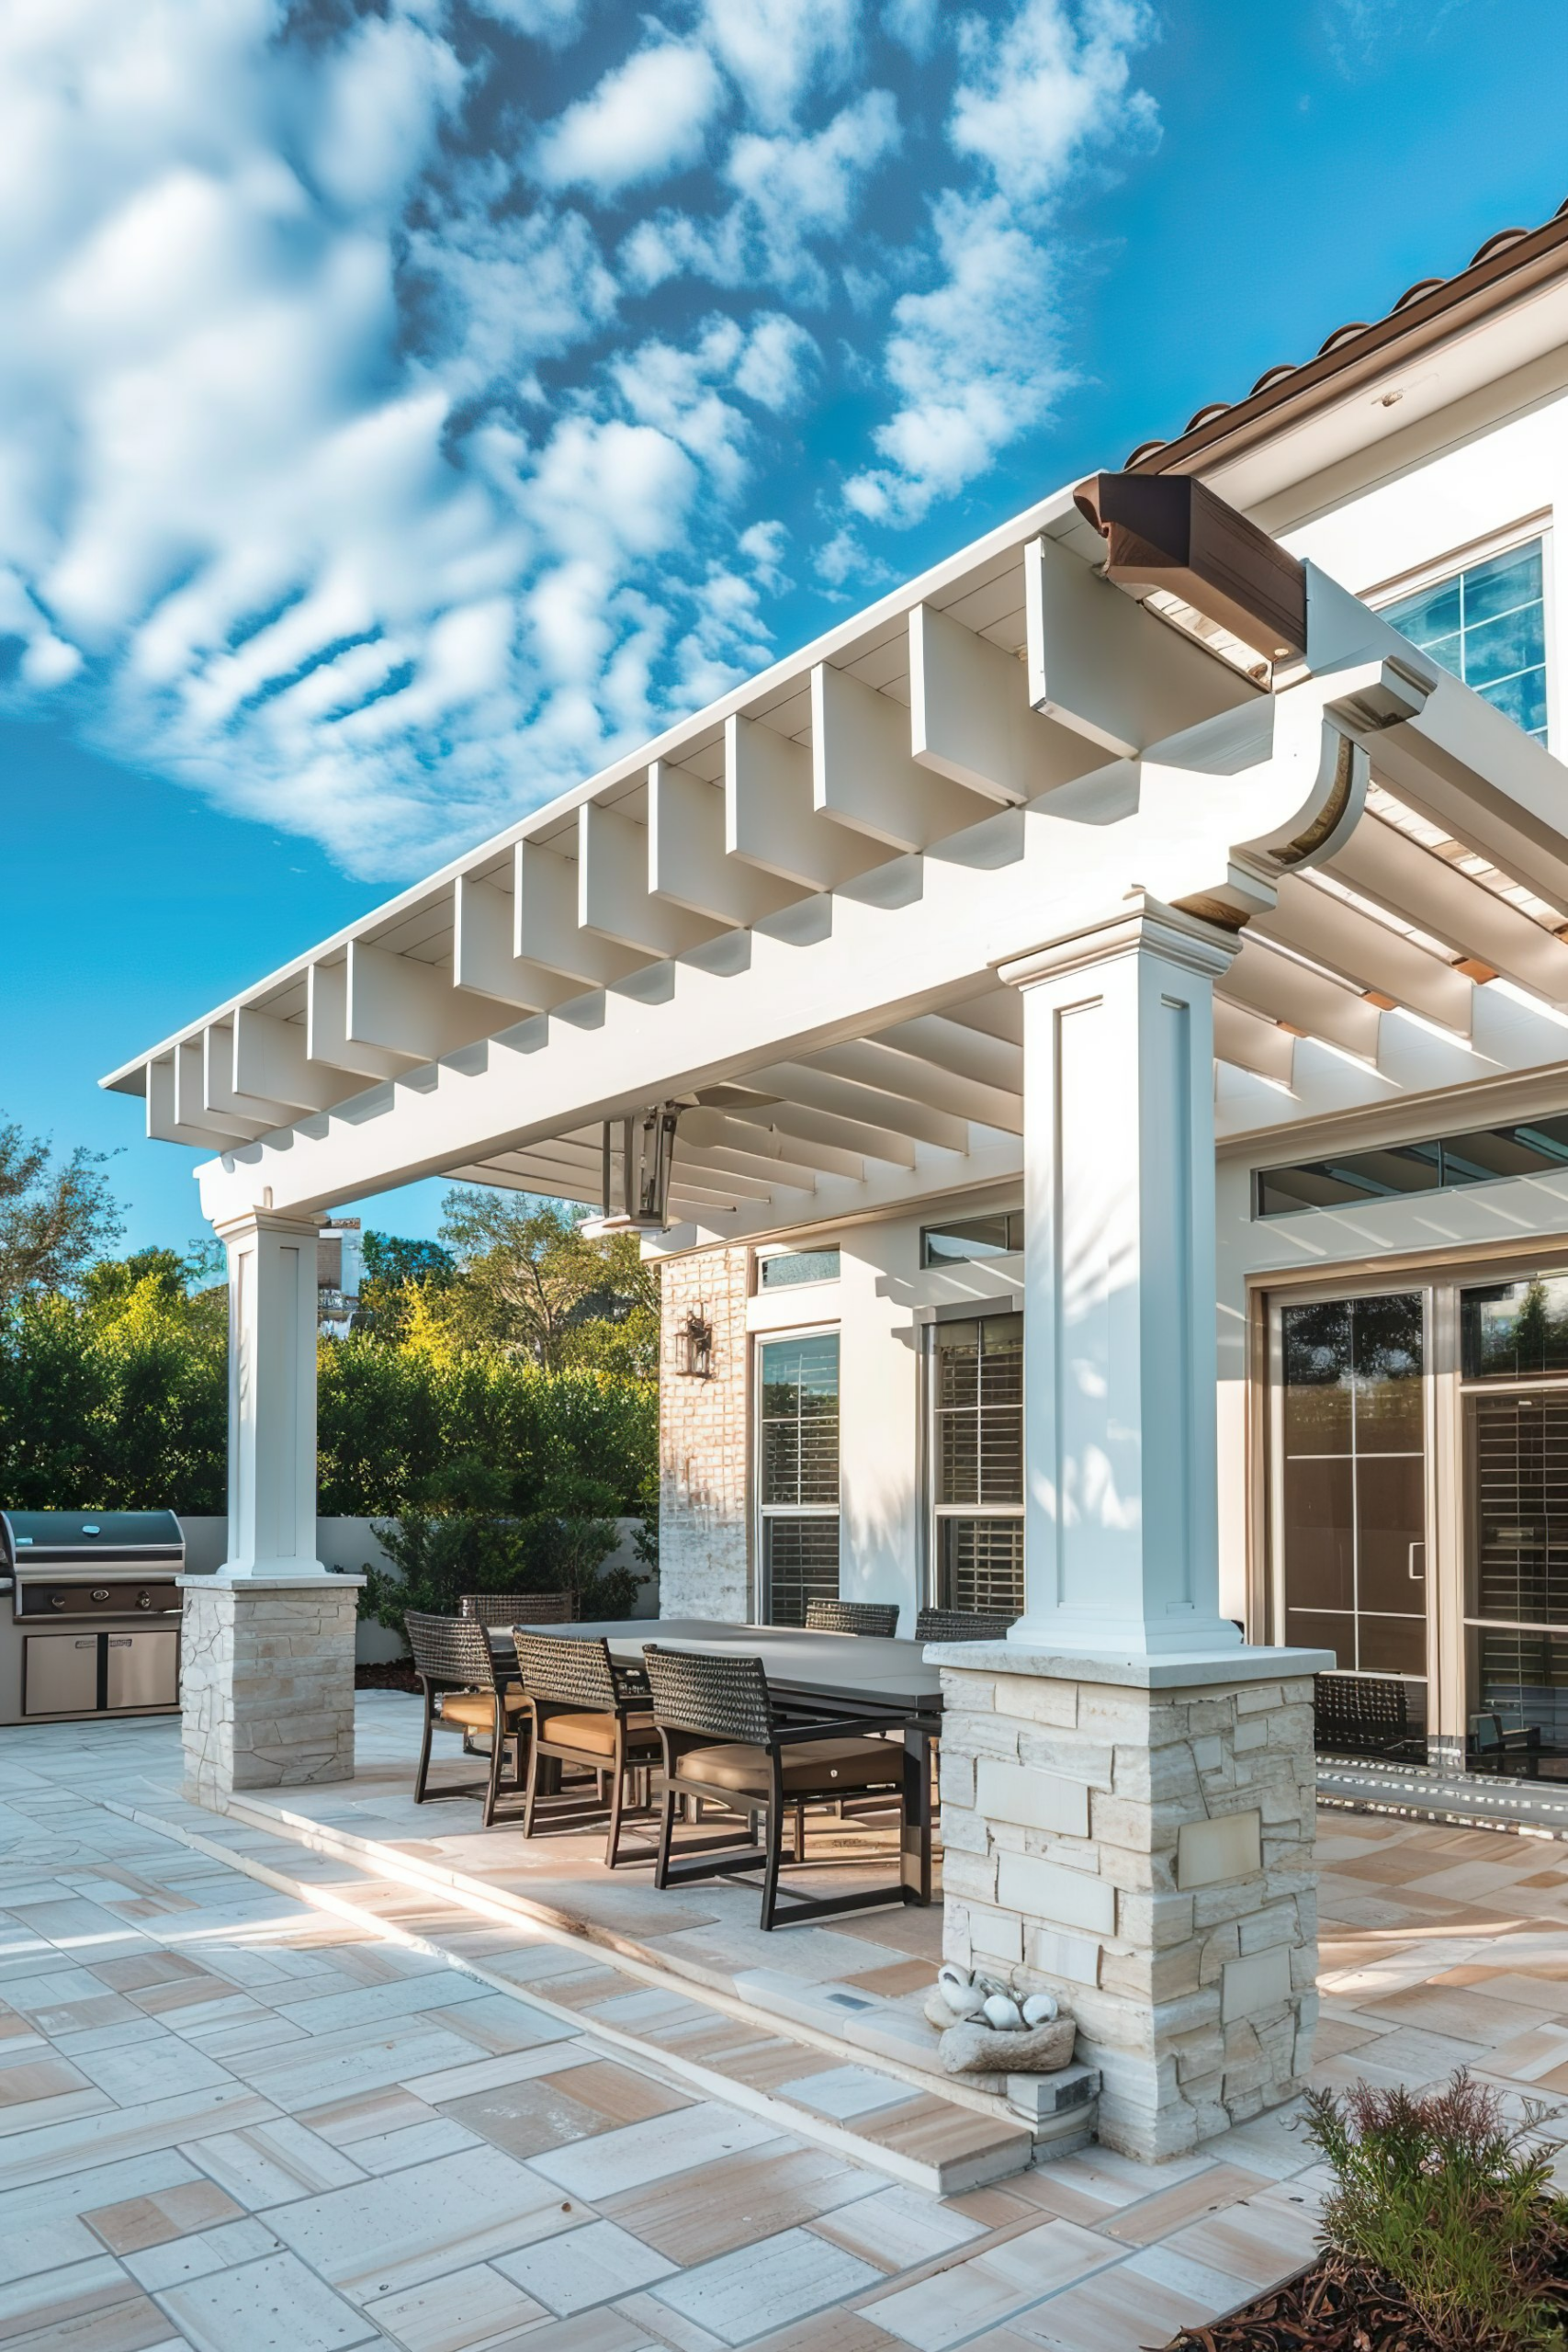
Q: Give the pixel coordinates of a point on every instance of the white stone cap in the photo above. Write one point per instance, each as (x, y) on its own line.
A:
(1167, 1670)
(305, 1580)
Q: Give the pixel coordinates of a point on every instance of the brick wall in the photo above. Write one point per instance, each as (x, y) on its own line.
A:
(703, 1551)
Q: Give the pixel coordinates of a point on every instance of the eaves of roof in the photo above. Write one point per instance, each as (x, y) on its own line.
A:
(1508, 265)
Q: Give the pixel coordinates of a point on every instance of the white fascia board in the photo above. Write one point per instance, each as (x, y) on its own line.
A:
(1054, 514)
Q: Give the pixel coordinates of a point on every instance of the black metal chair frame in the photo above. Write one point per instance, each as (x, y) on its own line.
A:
(701, 1701)
(1513, 1750)
(1364, 1714)
(452, 1656)
(580, 1677)
(873, 1620)
(959, 1625)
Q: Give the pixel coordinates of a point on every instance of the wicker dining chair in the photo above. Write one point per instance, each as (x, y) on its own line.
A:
(508, 1609)
(465, 1691)
(722, 1739)
(876, 1618)
(959, 1625)
(584, 1713)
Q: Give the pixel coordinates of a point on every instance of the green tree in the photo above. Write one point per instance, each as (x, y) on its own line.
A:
(530, 1282)
(396, 1271)
(56, 1216)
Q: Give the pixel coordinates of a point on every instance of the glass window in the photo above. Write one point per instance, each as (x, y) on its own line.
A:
(1352, 1513)
(976, 1399)
(789, 1266)
(972, 1237)
(798, 1474)
(1534, 1148)
(1488, 626)
(1514, 1330)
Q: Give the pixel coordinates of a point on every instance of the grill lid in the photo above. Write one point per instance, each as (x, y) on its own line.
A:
(31, 1538)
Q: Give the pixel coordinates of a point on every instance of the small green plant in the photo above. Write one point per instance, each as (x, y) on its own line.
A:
(1451, 2201)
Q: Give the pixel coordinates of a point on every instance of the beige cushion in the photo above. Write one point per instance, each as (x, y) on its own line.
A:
(474, 1710)
(815, 1767)
(595, 1735)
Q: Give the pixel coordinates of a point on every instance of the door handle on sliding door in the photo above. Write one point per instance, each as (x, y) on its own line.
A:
(1417, 1575)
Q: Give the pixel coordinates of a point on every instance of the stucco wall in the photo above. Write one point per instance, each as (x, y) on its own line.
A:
(704, 1538)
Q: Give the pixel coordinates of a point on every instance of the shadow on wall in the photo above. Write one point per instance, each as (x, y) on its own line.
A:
(350, 1545)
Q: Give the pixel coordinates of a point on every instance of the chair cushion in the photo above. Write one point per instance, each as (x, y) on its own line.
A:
(595, 1735)
(817, 1767)
(474, 1710)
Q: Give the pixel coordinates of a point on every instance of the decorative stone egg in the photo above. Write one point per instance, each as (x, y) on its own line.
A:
(960, 1992)
(1003, 2012)
(1040, 2009)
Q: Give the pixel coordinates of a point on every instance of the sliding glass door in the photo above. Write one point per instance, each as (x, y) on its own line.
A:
(1349, 1489)
(1514, 1367)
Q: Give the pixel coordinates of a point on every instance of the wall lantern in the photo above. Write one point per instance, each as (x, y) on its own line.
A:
(636, 1157)
(696, 1346)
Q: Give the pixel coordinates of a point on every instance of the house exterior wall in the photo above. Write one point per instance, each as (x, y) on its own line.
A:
(1412, 504)
(704, 1563)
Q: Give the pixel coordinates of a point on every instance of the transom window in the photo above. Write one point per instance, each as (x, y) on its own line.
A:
(798, 1474)
(1530, 1147)
(967, 1238)
(785, 1268)
(976, 1398)
(1488, 626)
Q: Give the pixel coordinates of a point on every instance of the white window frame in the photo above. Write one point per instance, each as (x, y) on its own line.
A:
(760, 1511)
(936, 1512)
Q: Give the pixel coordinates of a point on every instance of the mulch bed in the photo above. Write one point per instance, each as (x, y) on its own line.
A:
(397, 1675)
(1331, 2305)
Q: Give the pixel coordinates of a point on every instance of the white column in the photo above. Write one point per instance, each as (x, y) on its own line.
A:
(272, 1398)
(1121, 1546)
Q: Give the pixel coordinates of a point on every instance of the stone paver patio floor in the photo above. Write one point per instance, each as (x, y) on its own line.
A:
(254, 2117)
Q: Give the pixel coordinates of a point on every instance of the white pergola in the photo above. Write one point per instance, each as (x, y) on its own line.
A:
(989, 880)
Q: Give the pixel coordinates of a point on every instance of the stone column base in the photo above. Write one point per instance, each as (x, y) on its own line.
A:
(267, 1683)
(1137, 1838)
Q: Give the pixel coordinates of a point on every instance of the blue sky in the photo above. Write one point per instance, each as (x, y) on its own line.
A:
(402, 409)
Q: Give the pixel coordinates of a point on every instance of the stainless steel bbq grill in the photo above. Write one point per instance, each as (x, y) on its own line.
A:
(93, 1625)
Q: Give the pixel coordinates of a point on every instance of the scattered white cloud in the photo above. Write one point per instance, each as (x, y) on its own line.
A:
(779, 50)
(554, 21)
(977, 360)
(1034, 90)
(365, 466)
(778, 362)
(646, 120)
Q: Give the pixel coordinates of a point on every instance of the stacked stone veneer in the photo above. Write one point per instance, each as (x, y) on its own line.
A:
(705, 1553)
(267, 1673)
(1146, 1854)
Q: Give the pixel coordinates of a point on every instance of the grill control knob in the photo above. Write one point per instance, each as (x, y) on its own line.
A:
(144, 1601)
(57, 1600)
(100, 1592)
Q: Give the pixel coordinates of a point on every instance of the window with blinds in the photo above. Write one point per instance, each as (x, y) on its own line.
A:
(1514, 1340)
(798, 1474)
(976, 1414)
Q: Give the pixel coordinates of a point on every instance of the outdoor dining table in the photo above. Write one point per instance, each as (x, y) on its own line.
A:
(821, 1674)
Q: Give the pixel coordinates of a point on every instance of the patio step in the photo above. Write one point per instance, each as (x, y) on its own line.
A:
(890, 2116)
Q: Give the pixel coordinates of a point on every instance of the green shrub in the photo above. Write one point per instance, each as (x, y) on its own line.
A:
(444, 1547)
(1449, 2201)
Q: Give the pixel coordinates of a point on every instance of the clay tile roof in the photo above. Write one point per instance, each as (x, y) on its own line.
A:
(1508, 263)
